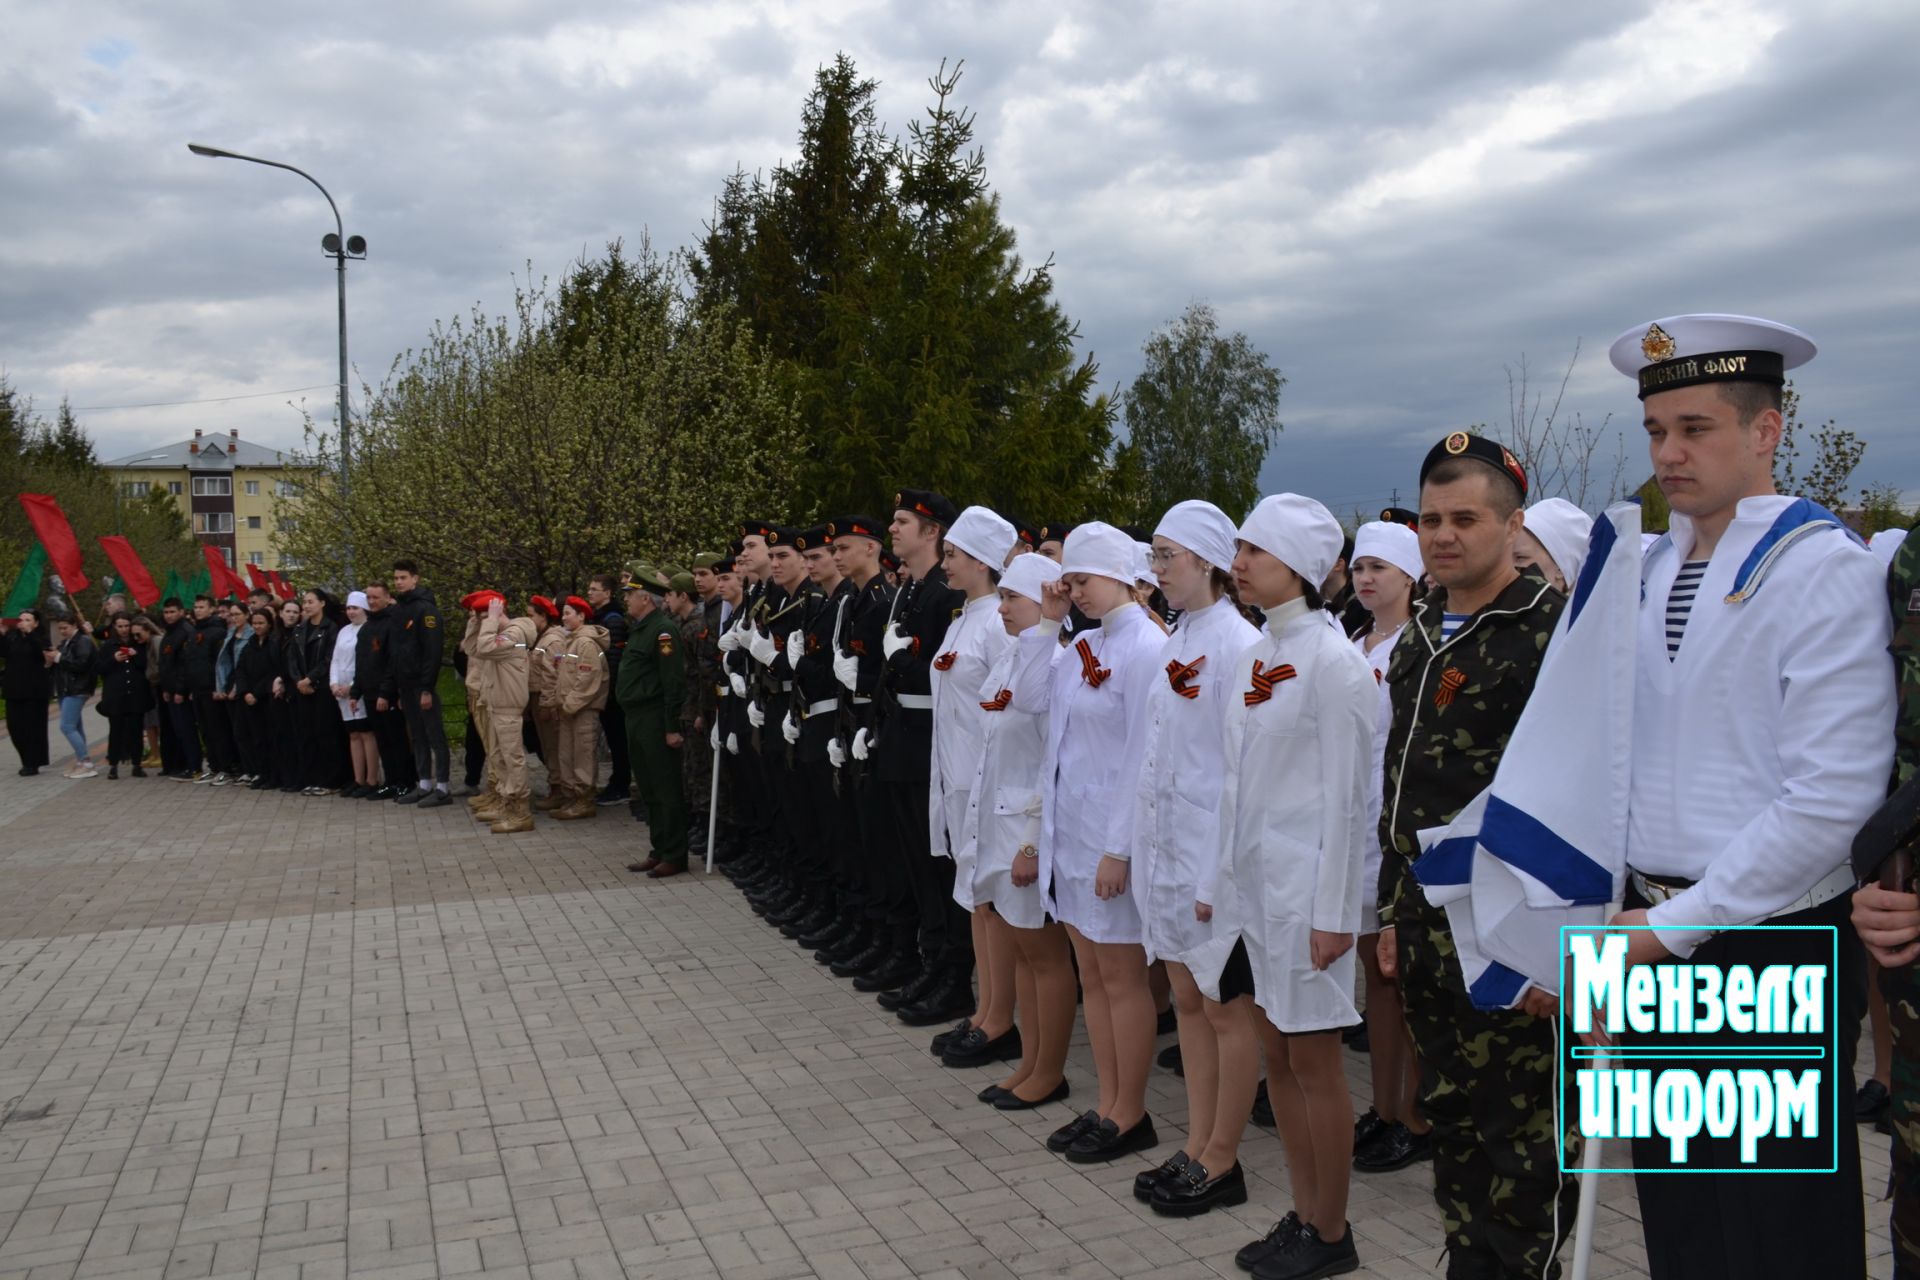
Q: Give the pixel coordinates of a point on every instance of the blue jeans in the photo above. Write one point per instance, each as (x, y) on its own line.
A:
(70, 709)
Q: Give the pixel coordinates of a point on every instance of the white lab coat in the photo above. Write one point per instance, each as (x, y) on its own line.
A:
(1173, 807)
(1293, 821)
(1003, 804)
(342, 666)
(974, 639)
(1376, 790)
(1762, 747)
(1085, 771)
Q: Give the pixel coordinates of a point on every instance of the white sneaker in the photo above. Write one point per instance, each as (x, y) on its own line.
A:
(220, 780)
(87, 772)
(205, 775)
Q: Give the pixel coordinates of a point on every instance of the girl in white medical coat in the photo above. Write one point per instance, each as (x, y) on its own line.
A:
(977, 545)
(1003, 852)
(1174, 807)
(1293, 841)
(1094, 696)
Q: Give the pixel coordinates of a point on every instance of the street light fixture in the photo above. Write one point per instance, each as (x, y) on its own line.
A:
(339, 246)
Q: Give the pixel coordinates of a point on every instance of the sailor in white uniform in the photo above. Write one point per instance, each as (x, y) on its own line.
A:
(1763, 738)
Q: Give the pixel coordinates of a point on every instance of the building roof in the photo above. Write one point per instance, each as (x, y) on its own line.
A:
(215, 453)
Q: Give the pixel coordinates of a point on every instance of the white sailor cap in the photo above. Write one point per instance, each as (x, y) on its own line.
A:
(1684, 351)
(983, 535)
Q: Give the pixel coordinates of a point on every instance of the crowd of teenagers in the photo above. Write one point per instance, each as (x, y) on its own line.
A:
(1008, 776)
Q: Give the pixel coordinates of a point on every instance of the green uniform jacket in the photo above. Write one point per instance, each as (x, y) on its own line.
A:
(1903, 595)
(1454, 707)
(702, 642)
(653, 670)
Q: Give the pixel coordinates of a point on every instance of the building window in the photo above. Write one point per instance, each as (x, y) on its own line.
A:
(289, 525)
(288, 562)
(253, 488)
(256, 557)
(228, 553)
(286, 489)
(213, 522)
(174, 487)
(253, 522)
(213, 486)
(134, 489)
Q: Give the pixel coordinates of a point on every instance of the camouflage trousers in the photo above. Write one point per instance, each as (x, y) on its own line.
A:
(696, 769)
(1487, 1085)
(1901, 987)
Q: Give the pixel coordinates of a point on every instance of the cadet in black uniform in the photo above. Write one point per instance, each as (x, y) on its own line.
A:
(824, 831)
(751, 808)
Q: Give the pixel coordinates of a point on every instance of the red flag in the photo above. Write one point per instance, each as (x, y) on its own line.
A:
(56, 535)
(127, 561)
(280, 586)
(258, 579)
(224, 581)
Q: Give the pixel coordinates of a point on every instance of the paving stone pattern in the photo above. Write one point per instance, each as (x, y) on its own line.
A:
(251, 1034)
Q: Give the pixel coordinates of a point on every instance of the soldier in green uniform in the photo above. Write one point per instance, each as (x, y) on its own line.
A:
(652, 687)
(702, 704)
(1457, 682)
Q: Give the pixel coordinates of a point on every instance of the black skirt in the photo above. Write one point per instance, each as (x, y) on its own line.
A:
(1236, 979)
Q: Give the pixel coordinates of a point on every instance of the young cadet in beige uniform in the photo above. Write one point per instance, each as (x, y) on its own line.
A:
(500, 647)
(580, 683)
(543, 613)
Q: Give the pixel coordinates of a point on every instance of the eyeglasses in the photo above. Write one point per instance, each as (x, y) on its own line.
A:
(1160, 556)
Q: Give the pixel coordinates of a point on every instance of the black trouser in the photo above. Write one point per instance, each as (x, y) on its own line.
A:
(396, 757)
(817, 832)
(27, 727)
(475, 751)
(323, 742)
(284, 740)
(186, 736)
(428, 733)
(1778, 1224)
(890, 904)
(946, 933)
(613, 726)
(216, 729)
(124, 736)
(253, 736)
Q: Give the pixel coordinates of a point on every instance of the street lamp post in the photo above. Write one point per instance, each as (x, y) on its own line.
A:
(339, 246)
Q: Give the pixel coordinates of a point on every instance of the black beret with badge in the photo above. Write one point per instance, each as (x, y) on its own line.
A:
(1400, 515)
(925, 502)
(857, 527)
(813, 538)
(1465, 444)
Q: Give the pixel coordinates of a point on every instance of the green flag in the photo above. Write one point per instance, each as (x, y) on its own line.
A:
(175, 589)
(26, 587)
(201, 584)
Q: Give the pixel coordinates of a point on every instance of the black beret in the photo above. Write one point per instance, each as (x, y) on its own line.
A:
(1464, 444)
(1400, 515)
(857, 527)
(925, 502)
(1028, 535)
(1054, 532)
(756, 529)
(782, 535)
(819, 535)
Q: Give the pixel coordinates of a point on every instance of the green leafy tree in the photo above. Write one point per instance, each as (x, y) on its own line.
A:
(1829, 463)
(1201, 414)
(1881, 507)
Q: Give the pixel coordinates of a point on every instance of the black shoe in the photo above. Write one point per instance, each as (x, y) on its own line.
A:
(992, 1094)
(951, 1034)
(949, 997)
(1144, 1183)
(1871, 1102)
(27, 771)
(846, 947)
(1309, 1257)
(1368, 1127)
(1011, 1101)
(113, 773)
(1189, 1194)
(924, 976)
(863, 961)
(1464, 1265)
(1166, 1023)
(812, 925)
(887, 980)
(835, 927)
(613, 795)
(415, 796)
(1171, 1060)
(433, 799)
(291, 789)
(1106, 1142)
(977, 1049)
(1072, 1131)
(1394, 1147)
(1355, 1038)
(1262, 1107)
(1279, 1237)
(138, 772)
(387, 792)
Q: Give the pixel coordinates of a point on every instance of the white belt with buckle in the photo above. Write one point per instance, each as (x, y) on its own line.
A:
(916, 701)
(1826, 889)
(859, 701)
(821, 708)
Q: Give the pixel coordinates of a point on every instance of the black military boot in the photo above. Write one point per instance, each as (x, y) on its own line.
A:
(950, 997)
(925, 977)
(877, 952)
(901, 968)
(846, 944)
(816, 926)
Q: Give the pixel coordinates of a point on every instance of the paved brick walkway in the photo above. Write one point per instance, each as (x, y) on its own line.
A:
(252, 1034)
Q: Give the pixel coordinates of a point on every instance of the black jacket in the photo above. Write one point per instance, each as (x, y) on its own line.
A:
(373, 675)
(173, 657)
(203, 641)
(27, 678)
(123, 685)
(418, 638)
(311, 654)
(259, 663)
(73, 674)
(614, 619)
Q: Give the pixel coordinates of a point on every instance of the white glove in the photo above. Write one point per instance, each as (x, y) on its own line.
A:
(895, 640)
(755, 716)
(733, 744)
(737, 683)
(860, 745)
(713, 738)
(836, 754)
(762, 649)
(729, 639)
(790, 729)
(846, 669)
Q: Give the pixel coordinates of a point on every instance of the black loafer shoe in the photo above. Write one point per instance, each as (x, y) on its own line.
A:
(1011, 1101)
(1279, 1237)
(1189, 1193)
(1368, 1127)
(1308, 1257)
(1145, 1182)
(1395, 1147)
(1070, 1132)
(976, 1048)
(1106, 1142)
(1170, 1060)
(946, 1038)
(1262, 1107)
(991, 1094)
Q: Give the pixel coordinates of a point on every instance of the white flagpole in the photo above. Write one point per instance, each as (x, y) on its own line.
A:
(713, 800)
(1590, 1160)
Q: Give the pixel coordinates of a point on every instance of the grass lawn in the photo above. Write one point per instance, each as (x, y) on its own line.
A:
(453, 706)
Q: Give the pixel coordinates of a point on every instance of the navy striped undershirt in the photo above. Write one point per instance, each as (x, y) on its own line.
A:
(1686, 585)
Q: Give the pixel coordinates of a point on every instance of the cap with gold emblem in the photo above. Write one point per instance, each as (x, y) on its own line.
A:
(1056, 531)
(782, 535)
(856, 527)
(755, 528)
(648, 578)
(813, 538)
(1400, 515)
(925, 502)
(1465, 444)
(1028, 536)
(1685, 351)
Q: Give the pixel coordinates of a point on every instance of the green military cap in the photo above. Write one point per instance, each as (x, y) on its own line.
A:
(681, 582)
(633, 567)
(707, 559)
(671, 571)
(649, 578)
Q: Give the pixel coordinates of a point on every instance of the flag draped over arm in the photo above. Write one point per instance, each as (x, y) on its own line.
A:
(132, 569)
(56, 535)
(26, 587)
(1545, 845)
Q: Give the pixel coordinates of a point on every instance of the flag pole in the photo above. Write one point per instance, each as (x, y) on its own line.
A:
(1590, 1163)
(713, 802)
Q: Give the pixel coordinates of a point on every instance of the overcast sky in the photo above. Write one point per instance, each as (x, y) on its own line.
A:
(1396, 200)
